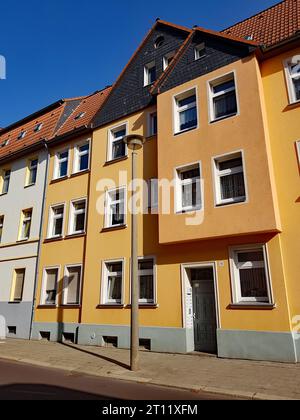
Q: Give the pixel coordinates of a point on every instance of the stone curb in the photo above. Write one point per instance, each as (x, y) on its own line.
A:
(192, 388)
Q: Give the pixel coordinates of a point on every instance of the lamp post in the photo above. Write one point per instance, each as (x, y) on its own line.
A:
(134, 143)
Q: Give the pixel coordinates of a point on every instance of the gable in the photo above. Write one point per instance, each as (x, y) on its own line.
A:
(219, 52)
(129, 94)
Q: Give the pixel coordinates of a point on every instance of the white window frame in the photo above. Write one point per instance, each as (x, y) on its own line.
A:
(30, 168)
(178, 188)
(2, 217)
(149, 301)
(78, 155)
(44, 282)
(289, 80)
(147, 68)
(74, 213)
(235, 278)
(217, 174)
(177, 110)
(211, 95)
(108, 205)
(197, 49)
(298, 151)
(23, 220)
(58, 161)
(150, 124)
(52, 217)
(65, 284)
(112, 140)
(167, 58)
(5, 178)
(104, 283)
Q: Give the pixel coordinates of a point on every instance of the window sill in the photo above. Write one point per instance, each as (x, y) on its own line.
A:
(195, 210)
(47, 307)
(2, 194)
(111, 306)
(113, 228)
(15, 302)
(56, 180)
(185, 131)
(76, 174)
(70, 306)
(49, 240)
(75, 235)
(145, 306)
(255, 305)
(22, 241)
(29, 185)
(293, 105)
(241, 201)
(111, 162)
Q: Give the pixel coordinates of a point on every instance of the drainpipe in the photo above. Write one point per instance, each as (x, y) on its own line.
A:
(40, 241)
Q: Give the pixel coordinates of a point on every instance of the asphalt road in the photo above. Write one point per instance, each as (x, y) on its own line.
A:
(25, 382)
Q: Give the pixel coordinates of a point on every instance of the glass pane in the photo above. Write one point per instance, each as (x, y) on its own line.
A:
(58, 210)
(225, 105)
(18, 292)
(232, 186)
(146, 288)
(64, 155)
(63, 168)
(146, 265)
(117, 214)
(229, 164)
(191, 195)
(32, 177)
(152, 75)
(192, 173)
(187, 101)
(297, 88)
(188, 118)
(119, 149)
(73, 285)
(51, 286)
(26, 226)
(120, 133)
(223, 86)
(114, 267)
(253, 283)
(58, 225)
(250, 256)
(80, 222)
(114, 288)
(84, 162)
(84, 148)
(198, 274)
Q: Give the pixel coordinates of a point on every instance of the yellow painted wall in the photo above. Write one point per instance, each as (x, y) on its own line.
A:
(246, 132)
(103, 246)
(69, 250)
(284, 123)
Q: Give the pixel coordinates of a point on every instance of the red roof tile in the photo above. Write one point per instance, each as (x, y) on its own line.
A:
(270, 26)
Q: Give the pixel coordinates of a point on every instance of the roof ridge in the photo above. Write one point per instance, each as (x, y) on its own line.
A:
(256, 14)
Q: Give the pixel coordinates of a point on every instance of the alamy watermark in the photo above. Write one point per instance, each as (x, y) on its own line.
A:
(2, 67)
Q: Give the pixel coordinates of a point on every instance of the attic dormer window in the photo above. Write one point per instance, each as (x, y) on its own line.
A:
(79, 116)
(159, 42)
(149, 73)
(22, 135)
(5, 143)
(38, 127)
(200, 51)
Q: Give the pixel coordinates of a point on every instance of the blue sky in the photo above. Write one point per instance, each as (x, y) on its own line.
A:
(63, 48)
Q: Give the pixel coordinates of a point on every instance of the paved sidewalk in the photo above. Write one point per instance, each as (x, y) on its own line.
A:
(246, 379)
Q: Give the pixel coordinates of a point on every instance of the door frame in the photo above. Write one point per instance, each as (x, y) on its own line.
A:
(185, 280)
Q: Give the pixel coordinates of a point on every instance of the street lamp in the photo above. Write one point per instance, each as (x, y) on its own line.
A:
(134, 143)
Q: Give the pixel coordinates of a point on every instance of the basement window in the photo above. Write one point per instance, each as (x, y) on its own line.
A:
(110, 341)
(45, 335)
(12, 330)
(145, 344)
(68, 338)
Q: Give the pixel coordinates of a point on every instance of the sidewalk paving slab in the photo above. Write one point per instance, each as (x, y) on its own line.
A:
(198, 373)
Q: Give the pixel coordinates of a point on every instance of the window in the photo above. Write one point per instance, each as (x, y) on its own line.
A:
(77, 217)
(223, 100)
(25, 224)
(18, 285)
(117, 147)
(188, 190)
(38, 127)
(32, 172)
(79, 116)
(250, 275)
(49, 295)
(61, 164)
(152, 128)
(146, 280)
(1, 226)
(229, 179)
(22, 135)
(186, 111)
(167, 60)
(56, 221)
(72, 285)
(113, 282)
(82, 157)
(115, 207)
(200, 51)
(152, 199)
(292, 71)
(149, 74)
(5, 181)
(159, 42)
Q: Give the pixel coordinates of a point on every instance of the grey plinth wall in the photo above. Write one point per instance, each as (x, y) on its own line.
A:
(17, 315)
